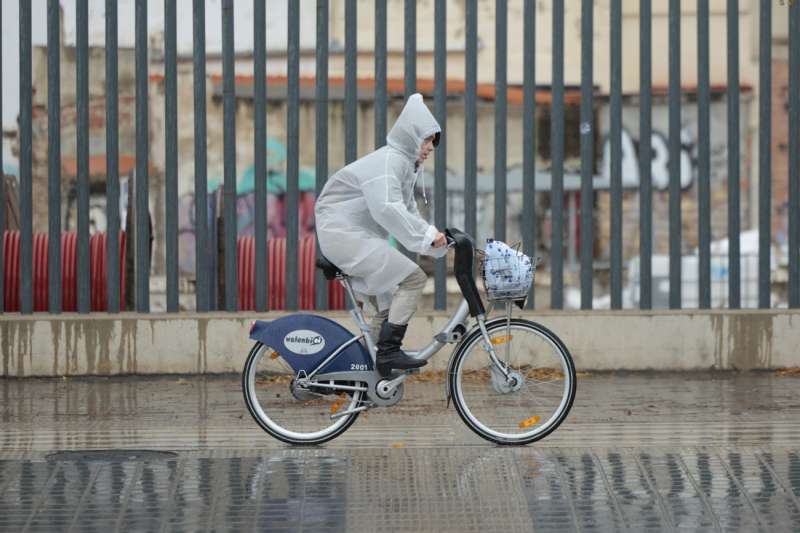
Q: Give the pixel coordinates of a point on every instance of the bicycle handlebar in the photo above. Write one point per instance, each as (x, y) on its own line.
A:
(451, 241)
(462, 267)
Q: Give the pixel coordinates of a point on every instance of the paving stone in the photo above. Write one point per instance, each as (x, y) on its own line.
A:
(639, 452)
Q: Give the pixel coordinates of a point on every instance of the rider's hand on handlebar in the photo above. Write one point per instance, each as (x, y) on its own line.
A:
(440, 240)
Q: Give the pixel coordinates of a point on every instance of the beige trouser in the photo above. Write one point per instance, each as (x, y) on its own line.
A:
(404, 303)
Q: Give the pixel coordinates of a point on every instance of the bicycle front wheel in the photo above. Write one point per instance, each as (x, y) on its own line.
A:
(528, 397)
(307, 415)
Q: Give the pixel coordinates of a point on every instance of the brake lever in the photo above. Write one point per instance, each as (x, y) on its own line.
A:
(451, 243)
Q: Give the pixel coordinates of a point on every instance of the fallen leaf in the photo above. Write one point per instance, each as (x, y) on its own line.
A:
(337, 405)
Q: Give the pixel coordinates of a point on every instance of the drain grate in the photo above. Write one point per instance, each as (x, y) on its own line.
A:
(111, 455)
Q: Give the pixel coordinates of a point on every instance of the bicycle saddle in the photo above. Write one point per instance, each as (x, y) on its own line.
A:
(328, 269)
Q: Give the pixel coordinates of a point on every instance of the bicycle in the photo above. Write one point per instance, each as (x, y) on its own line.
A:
(307, 378)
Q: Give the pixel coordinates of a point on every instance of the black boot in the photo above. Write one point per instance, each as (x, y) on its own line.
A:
(389, 354)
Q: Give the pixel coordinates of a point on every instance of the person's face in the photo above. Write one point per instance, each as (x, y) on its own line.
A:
(426, 149)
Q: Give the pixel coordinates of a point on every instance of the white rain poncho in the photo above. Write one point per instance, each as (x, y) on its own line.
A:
(372, 198)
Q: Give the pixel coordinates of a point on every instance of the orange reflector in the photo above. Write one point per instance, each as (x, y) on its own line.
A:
(337, 405)
(274, 355)
(501, 340)
(529, 422)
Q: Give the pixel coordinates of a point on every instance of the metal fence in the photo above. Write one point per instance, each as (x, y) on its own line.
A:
(25, 268)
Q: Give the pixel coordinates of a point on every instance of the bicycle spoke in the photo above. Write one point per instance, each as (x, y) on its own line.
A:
(504, 410)
(298, 412)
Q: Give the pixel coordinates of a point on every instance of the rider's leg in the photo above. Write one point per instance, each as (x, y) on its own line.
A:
(377, 319)
(406, 299)
(404, 305)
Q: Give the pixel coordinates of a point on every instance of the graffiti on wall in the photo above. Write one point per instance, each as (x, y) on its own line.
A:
(688, 157)
(98, 218)
(660, 163)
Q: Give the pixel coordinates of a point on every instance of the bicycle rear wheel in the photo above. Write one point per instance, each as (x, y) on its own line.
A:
(293, 414)
(528, 404)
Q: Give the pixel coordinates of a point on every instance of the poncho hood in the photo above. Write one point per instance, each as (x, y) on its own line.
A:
(414, 125)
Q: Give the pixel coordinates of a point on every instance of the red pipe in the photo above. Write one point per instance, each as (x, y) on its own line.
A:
(40, 274)
(246, 289)
(97, 272)
(69, 300)
(11, 271)
(276, 249)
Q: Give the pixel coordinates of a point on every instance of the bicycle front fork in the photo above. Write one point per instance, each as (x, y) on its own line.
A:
(489, 345)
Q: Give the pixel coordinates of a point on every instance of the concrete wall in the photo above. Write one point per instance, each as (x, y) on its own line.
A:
(105, 345)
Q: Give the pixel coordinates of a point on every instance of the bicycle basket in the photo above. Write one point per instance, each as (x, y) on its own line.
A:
(507, 273)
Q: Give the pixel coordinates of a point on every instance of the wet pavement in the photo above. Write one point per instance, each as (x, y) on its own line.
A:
(639, 452)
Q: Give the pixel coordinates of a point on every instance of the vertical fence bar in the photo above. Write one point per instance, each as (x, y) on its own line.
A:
(259, 151)
(645, 169)
(229, 148)
(203, 288)
(410, 70)
(794, 155)
(616, 154)
(82, 94)
(25, 157)
(764, 153)
(587, 151)
(500, 113)
(380, 73)
(572, 229)
(2, 182)
(471, 119)
(529, 140)
(142, 162)
(410, 47)
(112, 159)
(350, 81)
(734, 265)
(171, 155)
(292, 156)
(351, 78)
(704, 157)
(440, 168)
(557, 157)
(53, 158)
(674, 154)
(322, 119)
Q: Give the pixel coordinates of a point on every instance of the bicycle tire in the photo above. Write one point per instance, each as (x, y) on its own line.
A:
(465, 348)
(249, 398)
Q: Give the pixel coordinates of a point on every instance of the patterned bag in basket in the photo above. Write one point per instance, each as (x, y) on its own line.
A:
(507, 272)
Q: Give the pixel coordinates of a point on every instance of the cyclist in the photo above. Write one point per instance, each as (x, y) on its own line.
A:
(365, 202)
